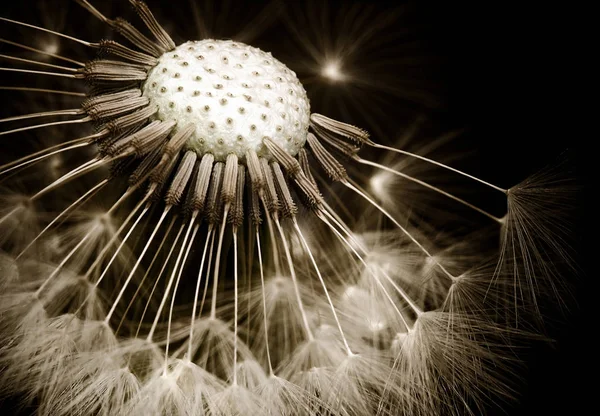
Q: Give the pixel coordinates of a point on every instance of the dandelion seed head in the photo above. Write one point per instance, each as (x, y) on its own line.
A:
(225, 88)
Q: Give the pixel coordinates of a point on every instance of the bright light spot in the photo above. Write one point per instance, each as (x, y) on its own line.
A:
(429, 265)
(55, 166)
(379, 184)
(50, 47)
(350, 292)
(376, 324)
(332, 71)
(325, 329)
(357, 242)
(399, 340)
(278, 284)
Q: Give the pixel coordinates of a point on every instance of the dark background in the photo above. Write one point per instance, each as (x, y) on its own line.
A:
(507, 73)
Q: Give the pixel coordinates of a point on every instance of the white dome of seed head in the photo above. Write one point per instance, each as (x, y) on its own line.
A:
(234, 94)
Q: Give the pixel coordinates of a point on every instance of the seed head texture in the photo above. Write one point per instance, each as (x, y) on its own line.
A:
(233, 94)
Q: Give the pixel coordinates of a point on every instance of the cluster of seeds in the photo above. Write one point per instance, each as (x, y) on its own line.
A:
(313, 316)
(191, 121)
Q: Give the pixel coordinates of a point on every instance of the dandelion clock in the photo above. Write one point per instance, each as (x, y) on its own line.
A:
(194, 222)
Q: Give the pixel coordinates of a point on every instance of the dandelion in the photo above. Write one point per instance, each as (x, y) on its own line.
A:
(201, 258)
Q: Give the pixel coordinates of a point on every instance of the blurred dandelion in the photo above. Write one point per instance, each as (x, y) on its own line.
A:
(213, 246)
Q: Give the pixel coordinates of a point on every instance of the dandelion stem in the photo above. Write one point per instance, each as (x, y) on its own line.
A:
(402, 293)
(69, 112)
(121, 244)
(90, 192)
(15, 209)
(341, 205)
(158, 276)
(137, 263)
(288, 256)
(426, 185)
(47, 31)
(44, 90)
(235, 306)
(272, 235)
(213, 306)
(31, 61)
(347, 244)
(208, 266)
(131, 190)
(39, 126)
(43, 154)
(308, 250)
(197, 292)
(187, 252)
(248, 275)
(404, 230)
(403, 152)
(32, 71)
(65, 260)
(339, 221)
(78, 171)
(140, 285)
(106, 247)
(71, 175)
(169, 284)
(29, 48)
(88, 6)
(264, 302)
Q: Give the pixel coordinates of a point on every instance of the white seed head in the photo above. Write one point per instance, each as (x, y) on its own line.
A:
(234, 94)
